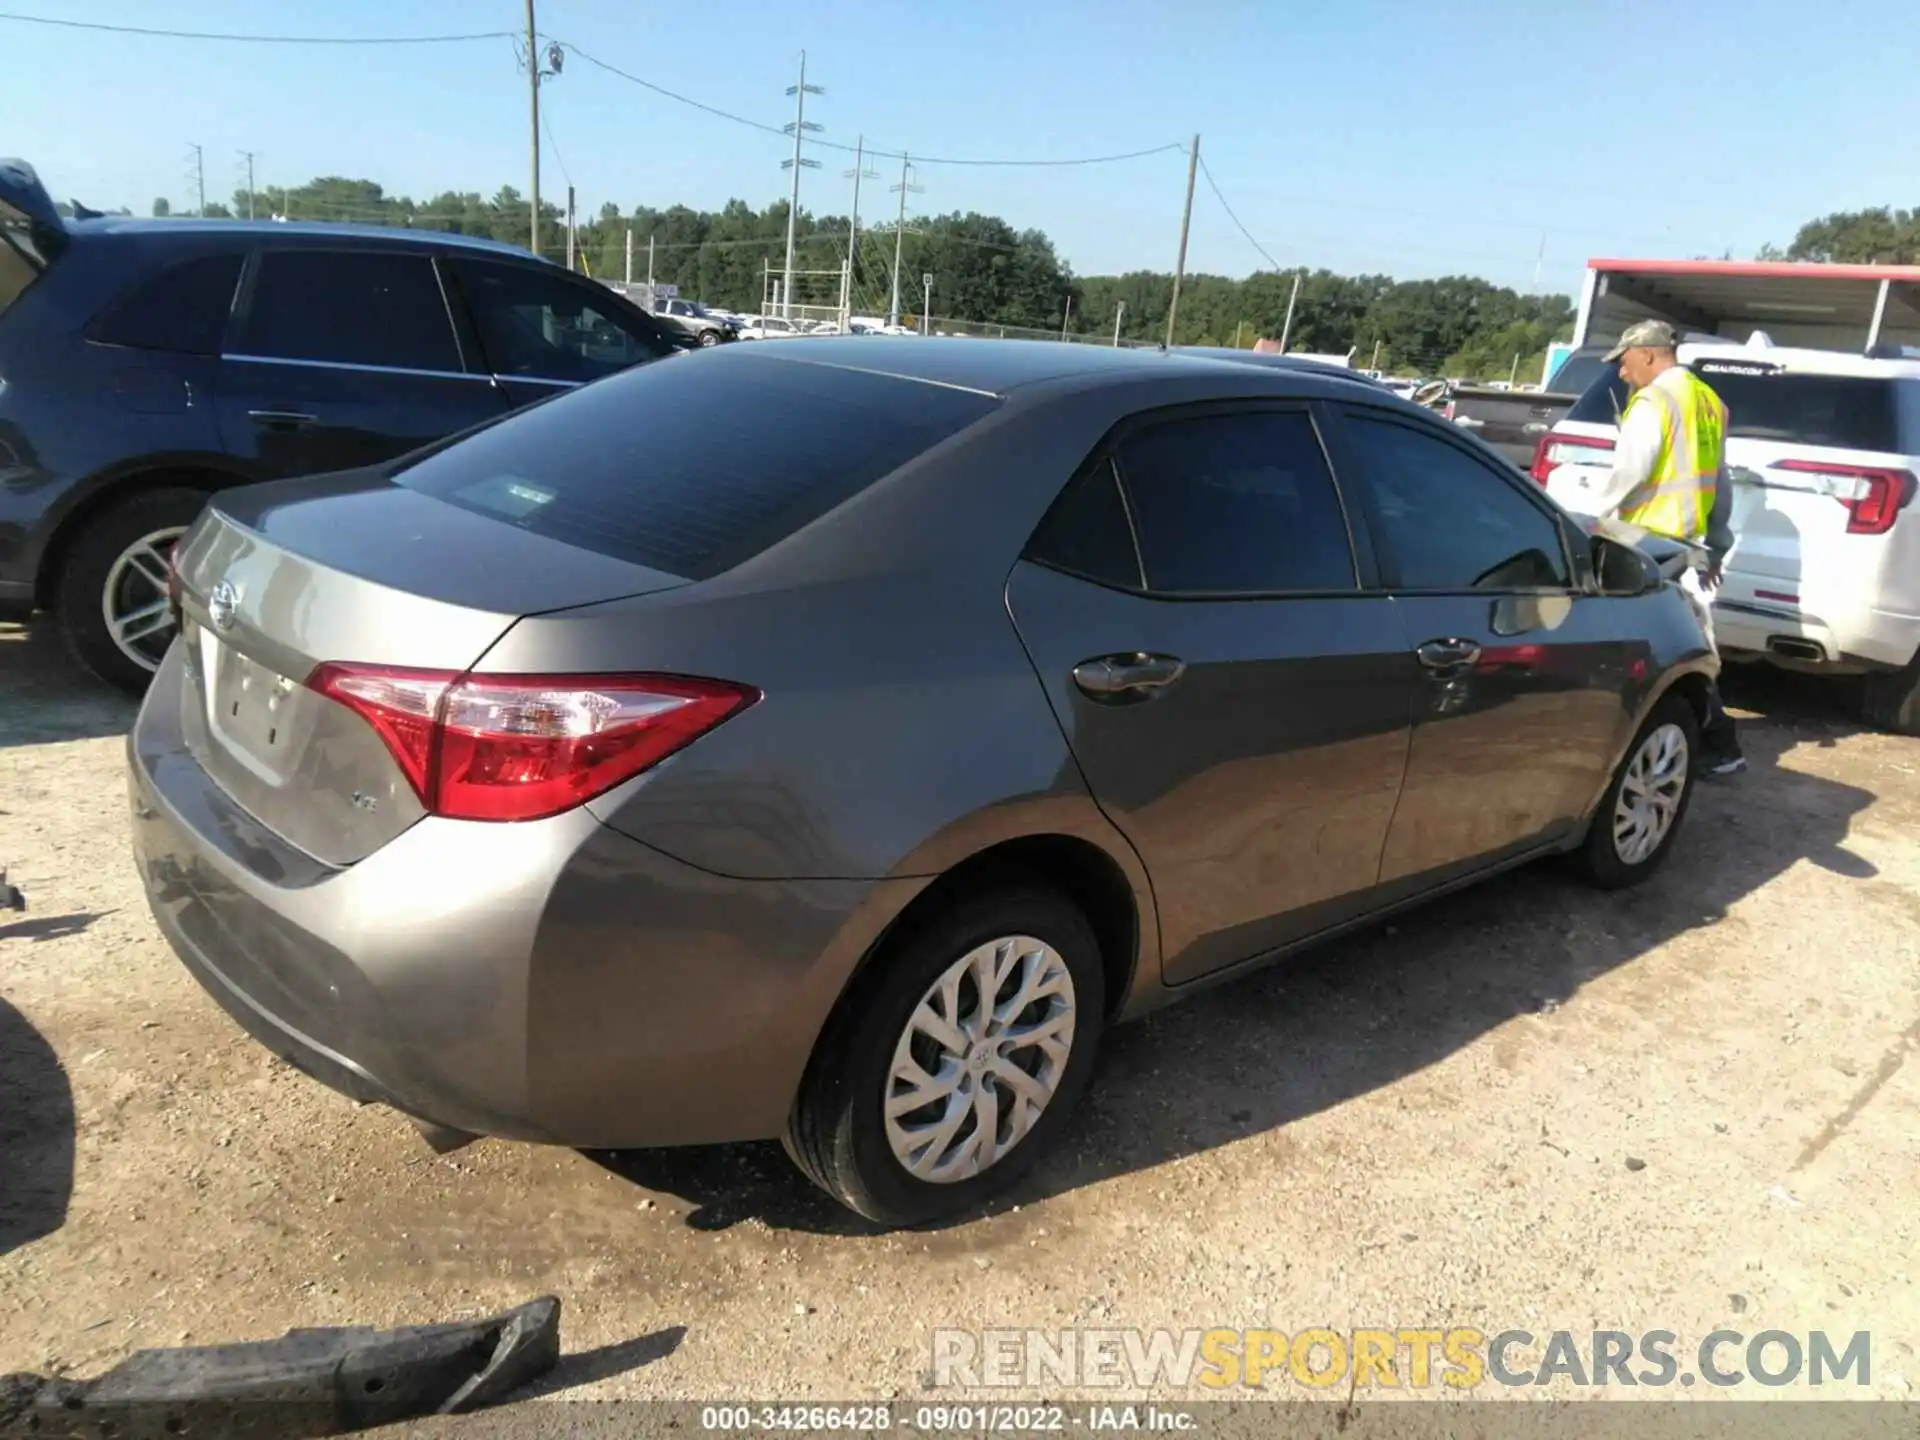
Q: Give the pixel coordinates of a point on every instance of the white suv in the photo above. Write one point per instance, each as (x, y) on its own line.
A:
(1823, 449)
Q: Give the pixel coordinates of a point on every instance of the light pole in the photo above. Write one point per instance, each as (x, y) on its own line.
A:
(926, 309)
(1118, 315)
(799, 129)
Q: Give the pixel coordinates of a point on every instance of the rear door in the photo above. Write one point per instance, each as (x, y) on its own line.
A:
(1818, 483)
(540, 329)
(1521, 681)
(1238, 704)
(343, 357)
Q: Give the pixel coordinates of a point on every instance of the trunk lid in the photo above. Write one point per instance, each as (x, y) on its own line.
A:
(276, 580)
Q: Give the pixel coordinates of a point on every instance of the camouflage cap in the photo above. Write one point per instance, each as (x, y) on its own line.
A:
(1653, 334)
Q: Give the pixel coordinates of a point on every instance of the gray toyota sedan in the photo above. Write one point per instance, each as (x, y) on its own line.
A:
(580, 781)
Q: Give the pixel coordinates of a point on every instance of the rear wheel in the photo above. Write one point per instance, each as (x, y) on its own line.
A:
(1890, 700)
(1634, 829)
(112, 600)
(709, 337)
(955, 1068)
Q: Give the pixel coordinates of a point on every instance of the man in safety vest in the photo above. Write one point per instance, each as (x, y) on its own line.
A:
(1669, 477)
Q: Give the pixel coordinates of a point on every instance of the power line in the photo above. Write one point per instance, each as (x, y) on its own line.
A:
(1213, 185)
(257, 39)
(784, 133)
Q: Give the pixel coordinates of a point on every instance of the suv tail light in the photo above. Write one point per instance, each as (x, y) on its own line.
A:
(1874, 496)
(1556, 450)
(523, 747)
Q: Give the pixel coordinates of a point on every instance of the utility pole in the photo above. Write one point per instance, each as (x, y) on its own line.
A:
(533, 97)
(571, 229)
(1539, 260)
(1069, 316)
(1286, 327)
(903, 189)
(199, 180)
(798, 129)
(1186, 220)
(1513, 373)
(248, 156)
(649, 267)
(1376, 354)
(1118, 314)
(629, 255)
(857, 174)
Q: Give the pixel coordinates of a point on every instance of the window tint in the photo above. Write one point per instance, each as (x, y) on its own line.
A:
(1448, 521)
(1764, 402)
(545, 326)
(693, 468)
(1236, 503)
(1576, 373)
(1603, 399)
(1086, 531)
(184, 308)
(350, 307)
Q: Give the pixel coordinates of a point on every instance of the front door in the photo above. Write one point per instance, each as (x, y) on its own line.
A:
(1238, 706)
(342, 358)
(1520, 690)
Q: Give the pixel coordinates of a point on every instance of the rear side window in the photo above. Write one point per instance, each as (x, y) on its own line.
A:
(1236, 504)
(1603, 399)
(183, 309)
(349, 307)
(1087, 533)
(692, 467)
(1764, 402)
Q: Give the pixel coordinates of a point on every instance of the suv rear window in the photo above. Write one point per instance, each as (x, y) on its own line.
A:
(1603, 400)
(184, 308)
(1764, 402)
(691, 466)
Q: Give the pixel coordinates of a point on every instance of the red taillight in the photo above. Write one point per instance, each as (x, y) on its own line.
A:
(522, 747)
(1554, 451)
(1874, 495)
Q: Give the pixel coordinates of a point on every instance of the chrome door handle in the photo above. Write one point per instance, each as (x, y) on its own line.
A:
(1130, 676)
(282, 417)
(1443, 656)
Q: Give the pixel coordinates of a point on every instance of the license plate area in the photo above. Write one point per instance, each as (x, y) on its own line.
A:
(252, 711)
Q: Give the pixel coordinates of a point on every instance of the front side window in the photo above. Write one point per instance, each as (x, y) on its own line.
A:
(1448, 521)
(539, 326)
(1236, 504)
(349, 307)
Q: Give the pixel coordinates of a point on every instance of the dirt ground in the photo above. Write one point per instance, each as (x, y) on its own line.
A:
(1530, 1106)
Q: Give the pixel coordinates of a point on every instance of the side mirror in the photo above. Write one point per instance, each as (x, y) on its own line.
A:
(1624, 570)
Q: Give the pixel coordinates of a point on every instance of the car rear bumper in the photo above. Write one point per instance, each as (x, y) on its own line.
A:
(1863, 639)
(553, 981)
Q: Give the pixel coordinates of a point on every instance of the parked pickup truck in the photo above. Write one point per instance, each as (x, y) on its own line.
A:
(1512, 421)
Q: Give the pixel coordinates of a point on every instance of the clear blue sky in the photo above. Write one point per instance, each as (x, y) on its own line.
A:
(1443, 136)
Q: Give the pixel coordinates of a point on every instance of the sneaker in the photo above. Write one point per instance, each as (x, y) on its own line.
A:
(1721, 769)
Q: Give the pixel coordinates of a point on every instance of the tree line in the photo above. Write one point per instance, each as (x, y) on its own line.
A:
(985, 273)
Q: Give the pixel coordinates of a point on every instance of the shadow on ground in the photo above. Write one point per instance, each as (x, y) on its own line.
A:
(49, 697)
(1362, 1012)
(36, 1134)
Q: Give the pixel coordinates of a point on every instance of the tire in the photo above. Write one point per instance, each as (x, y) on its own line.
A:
(100, 559)
(1890, 700)
(1601, 859)
(708, 338)
(839, 1134)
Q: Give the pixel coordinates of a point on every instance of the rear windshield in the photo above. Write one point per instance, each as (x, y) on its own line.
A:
(695, 463)
(1850, 412)
(1603, 399)
(1575, 374)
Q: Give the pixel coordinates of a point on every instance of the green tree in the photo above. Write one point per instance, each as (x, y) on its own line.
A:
(161, 209)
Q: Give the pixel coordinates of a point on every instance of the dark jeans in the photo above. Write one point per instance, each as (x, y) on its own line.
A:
(1718, 738)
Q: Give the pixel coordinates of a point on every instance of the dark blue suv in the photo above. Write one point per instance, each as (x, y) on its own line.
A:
(145, 364)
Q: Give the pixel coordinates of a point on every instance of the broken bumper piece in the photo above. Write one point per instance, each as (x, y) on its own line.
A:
(306, 1383)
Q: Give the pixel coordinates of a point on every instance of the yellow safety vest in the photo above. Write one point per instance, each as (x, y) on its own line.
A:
(1677, 496)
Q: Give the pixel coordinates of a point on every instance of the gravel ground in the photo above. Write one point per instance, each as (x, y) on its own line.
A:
(1529, 1106)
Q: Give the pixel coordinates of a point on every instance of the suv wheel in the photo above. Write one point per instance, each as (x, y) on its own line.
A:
(112, 600)
(1890, 700)
(957, 1068)
(709, 337)
(1634, 828)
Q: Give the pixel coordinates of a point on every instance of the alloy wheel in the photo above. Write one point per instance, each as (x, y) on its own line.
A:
(1650, 794)
(980, 1059)
(134, 601)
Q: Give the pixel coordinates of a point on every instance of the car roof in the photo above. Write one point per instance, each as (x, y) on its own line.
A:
(395, 235)
(999, 367)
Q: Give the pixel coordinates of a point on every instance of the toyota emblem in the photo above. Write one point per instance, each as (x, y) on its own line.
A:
(222, 603)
